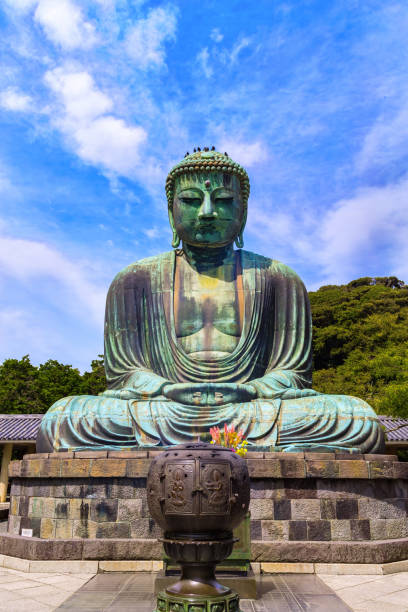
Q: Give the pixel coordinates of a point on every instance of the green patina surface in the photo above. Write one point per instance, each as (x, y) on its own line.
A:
(240, 558)
(169, 603)
(209, 334)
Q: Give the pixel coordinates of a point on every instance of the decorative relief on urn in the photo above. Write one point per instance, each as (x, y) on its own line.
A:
(178, 486)
(215, 479)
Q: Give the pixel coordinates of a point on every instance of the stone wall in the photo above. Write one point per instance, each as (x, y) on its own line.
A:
(319, 509)
(100, 508)
(314, 499)
(81, 495)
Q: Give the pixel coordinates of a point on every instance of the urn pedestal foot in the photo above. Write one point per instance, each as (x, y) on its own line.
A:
(198, 590)
(223, 603)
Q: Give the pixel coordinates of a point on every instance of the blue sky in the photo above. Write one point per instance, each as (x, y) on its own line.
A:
(99, 98)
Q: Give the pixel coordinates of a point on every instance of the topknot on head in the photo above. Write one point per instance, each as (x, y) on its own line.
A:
(207, 160)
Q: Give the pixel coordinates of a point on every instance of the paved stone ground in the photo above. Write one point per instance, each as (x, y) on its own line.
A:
(46, 592)
(281, 593)
(29, 592)
(372, 593)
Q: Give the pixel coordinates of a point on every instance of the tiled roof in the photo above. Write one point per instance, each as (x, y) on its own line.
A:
(396, 428)
(19, 426)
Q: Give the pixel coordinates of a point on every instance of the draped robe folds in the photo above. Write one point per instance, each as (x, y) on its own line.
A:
(142, 355)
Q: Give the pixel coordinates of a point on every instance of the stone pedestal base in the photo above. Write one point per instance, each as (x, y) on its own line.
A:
(305, 508)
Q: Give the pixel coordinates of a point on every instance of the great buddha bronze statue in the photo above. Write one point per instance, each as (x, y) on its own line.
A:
(205, 335)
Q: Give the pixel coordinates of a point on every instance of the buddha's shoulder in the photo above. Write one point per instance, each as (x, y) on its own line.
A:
(145, 265)
(273, 267)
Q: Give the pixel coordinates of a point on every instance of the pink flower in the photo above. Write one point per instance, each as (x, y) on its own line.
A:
(228, 437)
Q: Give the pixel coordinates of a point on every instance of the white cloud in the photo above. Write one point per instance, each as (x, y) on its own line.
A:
(110, 4)
(98, 138)
(145, 40)
(364, 235)
(248, 154)
(386, 141)
(216, 35)
(20, 6)
(152, 232)
(51, 306)
(282, 234)
(110, 142)
(35, 327)
(27, 260)
(203, 60)
(12, 100)
(366, 231)
(222, 55)
(64, 24)
(274, 226)
(237, 48)
(22, 333)
(81, 98)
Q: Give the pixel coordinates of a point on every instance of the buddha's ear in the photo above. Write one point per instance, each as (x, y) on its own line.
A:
(239, 240)
(176, 240)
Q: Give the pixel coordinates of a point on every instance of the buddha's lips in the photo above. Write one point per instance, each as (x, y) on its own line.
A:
(206, 225)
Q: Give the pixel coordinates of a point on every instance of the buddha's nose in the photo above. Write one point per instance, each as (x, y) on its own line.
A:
(207, 210)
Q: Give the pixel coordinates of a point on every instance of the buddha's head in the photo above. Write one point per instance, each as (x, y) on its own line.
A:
(207, 195)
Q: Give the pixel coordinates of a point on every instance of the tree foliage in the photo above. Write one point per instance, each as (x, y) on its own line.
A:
(360, 342)
(27, 389)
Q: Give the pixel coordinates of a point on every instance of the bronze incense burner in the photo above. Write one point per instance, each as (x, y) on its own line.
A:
(198, 493)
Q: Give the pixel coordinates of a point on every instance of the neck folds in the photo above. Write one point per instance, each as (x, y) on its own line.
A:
(204, 258)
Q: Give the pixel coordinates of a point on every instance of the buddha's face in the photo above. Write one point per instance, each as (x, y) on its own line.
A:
(208, 210)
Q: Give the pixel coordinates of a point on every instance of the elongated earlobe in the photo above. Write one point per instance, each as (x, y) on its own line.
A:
(176, 240)
(239, 240)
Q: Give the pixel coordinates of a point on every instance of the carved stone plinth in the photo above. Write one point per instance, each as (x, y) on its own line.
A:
(311, 508)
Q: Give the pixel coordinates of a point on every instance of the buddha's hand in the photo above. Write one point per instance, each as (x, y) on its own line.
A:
(298, 393)
(209, 394)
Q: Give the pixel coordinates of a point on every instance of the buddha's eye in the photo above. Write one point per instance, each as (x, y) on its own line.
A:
(226, 200)
(191, 201)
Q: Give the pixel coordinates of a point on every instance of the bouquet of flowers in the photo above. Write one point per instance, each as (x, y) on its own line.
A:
(229, 438)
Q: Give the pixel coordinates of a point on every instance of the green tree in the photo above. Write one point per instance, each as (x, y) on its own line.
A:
(18, 387)
(360, 341)
(94, 382)
(56, 380)
(28, 389)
